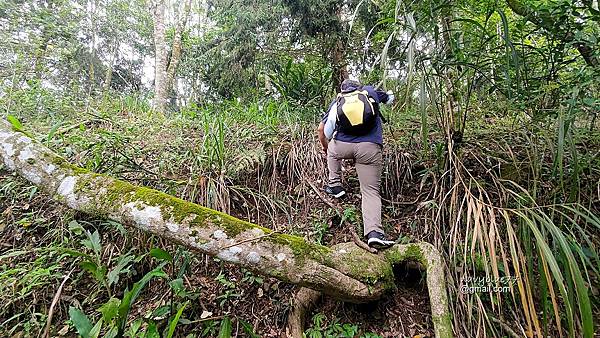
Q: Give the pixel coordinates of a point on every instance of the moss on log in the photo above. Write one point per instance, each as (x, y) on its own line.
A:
(343, 271)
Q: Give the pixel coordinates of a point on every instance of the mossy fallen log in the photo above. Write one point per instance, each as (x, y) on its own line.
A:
(343, 271)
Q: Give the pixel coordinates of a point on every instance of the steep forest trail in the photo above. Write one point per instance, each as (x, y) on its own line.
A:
(267, 175)
(381, 316)
(405, 313)
(181, 131)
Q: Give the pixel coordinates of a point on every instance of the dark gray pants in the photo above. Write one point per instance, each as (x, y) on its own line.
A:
(369, 161)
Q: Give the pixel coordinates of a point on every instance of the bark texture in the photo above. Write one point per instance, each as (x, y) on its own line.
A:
(343, 271)
(160, 57)
(176, 50)
(165, 67)
(109, 70)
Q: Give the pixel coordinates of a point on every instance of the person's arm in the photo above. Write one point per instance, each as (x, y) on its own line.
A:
(321, 133)
(330, 121)
(327, 126)
(385, 97)
(382, 96)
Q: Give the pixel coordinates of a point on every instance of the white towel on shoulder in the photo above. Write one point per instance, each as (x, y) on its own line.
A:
(331, 121)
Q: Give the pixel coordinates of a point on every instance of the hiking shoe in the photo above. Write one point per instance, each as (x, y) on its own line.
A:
(336, 191)
(377, 240)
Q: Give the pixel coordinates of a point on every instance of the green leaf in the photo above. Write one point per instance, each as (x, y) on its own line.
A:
(73, 253)
(95, 331)
(89, 266)
(225, 331)
(122, 267)
(92, 241)
(97, 271)
(16, 124)
(130, 296)
(161, 254)
(585, 308)
(175, 320)
(110, 309)
(161, 312)
(177, 286)
(95, 239)
(134, 327)
(101, 273)
(248, 329)
(152, 331)
(75, 227)
(53, 131)
(116, 225)
(80, 321)
(113, 332)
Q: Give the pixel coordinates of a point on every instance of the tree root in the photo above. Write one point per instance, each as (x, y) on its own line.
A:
(303, 302)
(424, 256)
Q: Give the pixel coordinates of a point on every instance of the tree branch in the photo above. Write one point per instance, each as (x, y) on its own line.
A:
(547, 22)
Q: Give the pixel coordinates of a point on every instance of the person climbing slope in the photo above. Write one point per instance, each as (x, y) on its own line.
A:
(352, 129)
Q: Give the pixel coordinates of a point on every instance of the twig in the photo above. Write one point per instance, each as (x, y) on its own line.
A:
(402, 202)
(54, 301)
(350, 227)
(331, 205)
(250, 240)
(76, 125)
(505, 326)
(360, 243)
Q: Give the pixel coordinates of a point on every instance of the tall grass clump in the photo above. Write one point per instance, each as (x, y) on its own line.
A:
(512, 205)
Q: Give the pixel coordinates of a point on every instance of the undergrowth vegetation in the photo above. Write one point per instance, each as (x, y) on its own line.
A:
(521, 213)
(491, 154)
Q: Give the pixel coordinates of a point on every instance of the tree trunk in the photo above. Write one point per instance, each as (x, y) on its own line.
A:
(160, 57)
(338, 51)
(343, 271)
(340, 71)
(93, 33)
(109, 69)
(176, 50)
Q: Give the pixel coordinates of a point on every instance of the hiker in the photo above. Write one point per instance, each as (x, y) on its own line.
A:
(351, 129)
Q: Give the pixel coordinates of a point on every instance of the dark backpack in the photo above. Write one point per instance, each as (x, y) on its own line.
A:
(356, 114)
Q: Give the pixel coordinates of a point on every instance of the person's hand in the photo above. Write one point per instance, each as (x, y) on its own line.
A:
(391, 97)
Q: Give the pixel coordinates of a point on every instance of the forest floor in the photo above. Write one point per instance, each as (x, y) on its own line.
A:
(31, 240)
(260, 172)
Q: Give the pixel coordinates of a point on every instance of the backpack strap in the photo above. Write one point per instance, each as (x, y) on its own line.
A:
(383, 119)
(378, 110)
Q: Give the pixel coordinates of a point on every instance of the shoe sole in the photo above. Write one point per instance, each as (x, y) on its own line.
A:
(378, 244)
(339, 194)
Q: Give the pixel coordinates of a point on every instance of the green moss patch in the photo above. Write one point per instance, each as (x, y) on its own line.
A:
(64, 164)
(361, 265)
(301, 248)
(412, 252)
